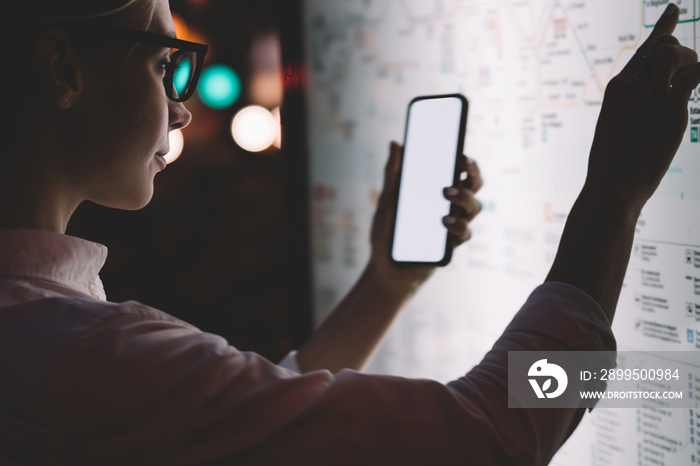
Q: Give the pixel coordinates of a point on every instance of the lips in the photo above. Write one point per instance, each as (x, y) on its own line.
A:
(161, 158)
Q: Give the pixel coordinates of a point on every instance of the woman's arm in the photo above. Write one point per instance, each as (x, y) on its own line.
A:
(641, 126)
(351, 334)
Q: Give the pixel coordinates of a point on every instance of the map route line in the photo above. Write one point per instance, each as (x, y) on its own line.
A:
(583, 51)
(634, 46)
(571, 104)
(539, 31)
(594, 73)
(545, 22)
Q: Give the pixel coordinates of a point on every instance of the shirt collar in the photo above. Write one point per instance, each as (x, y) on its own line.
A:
(67, 260)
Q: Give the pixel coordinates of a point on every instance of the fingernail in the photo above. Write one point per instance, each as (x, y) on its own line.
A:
(451, 191)
(449, 220)
(669, 9)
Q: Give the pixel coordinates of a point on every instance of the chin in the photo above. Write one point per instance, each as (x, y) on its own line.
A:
(134, 201)
(136, 205)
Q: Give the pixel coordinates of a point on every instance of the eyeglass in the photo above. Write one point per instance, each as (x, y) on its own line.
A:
(182, 72)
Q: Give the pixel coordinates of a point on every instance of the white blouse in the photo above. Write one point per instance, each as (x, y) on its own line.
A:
(87, 381)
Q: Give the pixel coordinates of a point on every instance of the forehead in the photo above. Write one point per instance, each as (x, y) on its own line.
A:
(159, 12)
(162, 19)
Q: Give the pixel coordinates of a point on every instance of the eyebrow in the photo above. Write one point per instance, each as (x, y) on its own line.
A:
(159, 40)
(165, 32)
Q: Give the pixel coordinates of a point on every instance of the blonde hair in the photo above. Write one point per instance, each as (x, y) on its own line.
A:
(26, 18)
(50, 11)
(85, 15)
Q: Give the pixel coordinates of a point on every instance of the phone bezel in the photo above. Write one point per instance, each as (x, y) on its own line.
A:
(447, 256)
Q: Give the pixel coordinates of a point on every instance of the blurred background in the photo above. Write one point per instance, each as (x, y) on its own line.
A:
(224, 243)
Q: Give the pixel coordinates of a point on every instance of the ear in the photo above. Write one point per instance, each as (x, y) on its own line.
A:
(58, 69)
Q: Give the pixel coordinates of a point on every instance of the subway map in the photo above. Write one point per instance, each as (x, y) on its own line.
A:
(535, 72)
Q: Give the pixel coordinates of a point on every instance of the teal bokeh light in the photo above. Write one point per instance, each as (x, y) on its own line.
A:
(182, 76)
(219, 86)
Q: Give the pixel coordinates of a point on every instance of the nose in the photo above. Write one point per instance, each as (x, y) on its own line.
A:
(179, 115)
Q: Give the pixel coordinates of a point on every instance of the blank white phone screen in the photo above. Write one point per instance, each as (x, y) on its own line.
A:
(432, 137)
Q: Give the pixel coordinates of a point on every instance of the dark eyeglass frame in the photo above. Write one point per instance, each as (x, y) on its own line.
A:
(151, 38)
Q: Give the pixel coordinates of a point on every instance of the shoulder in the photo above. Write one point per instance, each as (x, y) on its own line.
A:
(57, 322)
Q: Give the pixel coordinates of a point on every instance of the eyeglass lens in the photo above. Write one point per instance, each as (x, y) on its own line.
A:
(183, 73)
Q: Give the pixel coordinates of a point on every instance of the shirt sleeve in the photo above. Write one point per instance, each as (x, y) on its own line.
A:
(153, 391)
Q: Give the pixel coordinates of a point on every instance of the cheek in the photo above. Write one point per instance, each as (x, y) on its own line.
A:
(126, 111)
(146, 112)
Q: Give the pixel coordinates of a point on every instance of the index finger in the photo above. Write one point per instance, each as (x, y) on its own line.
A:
(666, 25)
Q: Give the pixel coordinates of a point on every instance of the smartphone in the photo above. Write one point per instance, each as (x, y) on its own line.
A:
(435, 129)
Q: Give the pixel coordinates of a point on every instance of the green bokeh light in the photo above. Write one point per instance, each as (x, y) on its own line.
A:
(219, 86)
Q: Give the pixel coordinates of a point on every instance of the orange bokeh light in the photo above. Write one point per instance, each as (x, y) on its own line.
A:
(181, 29)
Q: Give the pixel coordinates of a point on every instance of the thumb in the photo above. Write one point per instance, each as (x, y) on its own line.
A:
(685, 81)
(391, 175)
(391, 171)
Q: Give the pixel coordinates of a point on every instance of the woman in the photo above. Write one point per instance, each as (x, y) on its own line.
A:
(103, 121)
(86, 381)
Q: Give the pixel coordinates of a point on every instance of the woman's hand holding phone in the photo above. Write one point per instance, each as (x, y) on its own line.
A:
(353, 331)
(406, 280)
